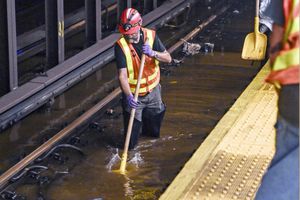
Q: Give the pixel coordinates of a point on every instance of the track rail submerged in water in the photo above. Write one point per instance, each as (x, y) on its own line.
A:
(6, 176)
(55, 139)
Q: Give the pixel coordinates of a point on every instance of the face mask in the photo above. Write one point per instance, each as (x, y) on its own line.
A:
(133, 38)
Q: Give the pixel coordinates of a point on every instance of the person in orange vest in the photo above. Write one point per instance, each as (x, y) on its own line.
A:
(281, 182)
(150, 108)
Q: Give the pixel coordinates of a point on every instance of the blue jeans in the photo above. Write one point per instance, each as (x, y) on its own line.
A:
(281, 182)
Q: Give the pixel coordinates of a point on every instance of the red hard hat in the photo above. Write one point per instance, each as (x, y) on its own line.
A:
(130, 21)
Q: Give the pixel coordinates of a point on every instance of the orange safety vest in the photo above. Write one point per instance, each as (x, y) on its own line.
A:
(151, 74)
(285, 69)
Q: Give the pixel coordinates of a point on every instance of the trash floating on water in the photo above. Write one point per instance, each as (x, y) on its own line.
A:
(191, 48)
(208, 47)
(110, 111)
(176, 62)
(236, 12)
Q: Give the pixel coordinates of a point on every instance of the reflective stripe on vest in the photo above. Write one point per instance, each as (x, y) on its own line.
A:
(291, 9)
(289, 56)
(145, 90)
(128, 58)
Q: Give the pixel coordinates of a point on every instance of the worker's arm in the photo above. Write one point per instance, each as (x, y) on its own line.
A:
(160, 56)
(123, 79)
(275, 42)
(163, 56)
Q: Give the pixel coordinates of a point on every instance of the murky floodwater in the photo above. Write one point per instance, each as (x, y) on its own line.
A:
(197, 94)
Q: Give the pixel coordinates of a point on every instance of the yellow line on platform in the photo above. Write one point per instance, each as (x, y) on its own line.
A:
(230, 163)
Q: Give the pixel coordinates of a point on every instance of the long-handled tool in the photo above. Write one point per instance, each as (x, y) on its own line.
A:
(132, 114)
(255, 44)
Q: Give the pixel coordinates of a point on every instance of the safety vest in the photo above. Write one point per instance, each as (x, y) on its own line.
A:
(151, 74)
(285, 69)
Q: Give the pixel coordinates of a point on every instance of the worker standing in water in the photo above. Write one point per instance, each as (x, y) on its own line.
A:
(150, 108)
(281, 182)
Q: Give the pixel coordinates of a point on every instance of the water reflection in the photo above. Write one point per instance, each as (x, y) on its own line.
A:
(14, 134)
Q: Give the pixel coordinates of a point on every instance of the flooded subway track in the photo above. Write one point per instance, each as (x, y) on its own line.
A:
(197, 93)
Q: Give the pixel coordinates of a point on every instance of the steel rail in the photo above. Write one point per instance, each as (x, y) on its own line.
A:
(6, 176)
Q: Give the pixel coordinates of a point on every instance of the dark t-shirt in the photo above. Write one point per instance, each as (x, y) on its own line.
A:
(275, 12)
(120, 56)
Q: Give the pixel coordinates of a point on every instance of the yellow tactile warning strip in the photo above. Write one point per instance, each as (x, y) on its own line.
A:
(232, 160)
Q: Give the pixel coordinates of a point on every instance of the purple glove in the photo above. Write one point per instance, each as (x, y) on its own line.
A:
(148, 51)
(131, 102)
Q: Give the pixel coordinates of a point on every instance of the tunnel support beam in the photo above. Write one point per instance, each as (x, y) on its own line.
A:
(93, 31)
(129, 3)
(12, 44)
(90, 22)
(4, 59)
(148, 6)
(51, 33)
(61, 31)
(98, 20)
(55, 42)
(154, 4)
(121, 7)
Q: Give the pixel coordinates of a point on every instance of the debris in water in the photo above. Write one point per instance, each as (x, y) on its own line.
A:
(236, 12)
(176, 62)
(190, 48)
(110, 111)
(208, 47)
(169, 25)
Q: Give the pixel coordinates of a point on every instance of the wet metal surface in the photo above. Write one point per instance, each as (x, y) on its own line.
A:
(197, 94)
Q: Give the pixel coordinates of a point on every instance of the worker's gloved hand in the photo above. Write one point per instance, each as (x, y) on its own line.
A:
(131, 102)
(147, 50)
